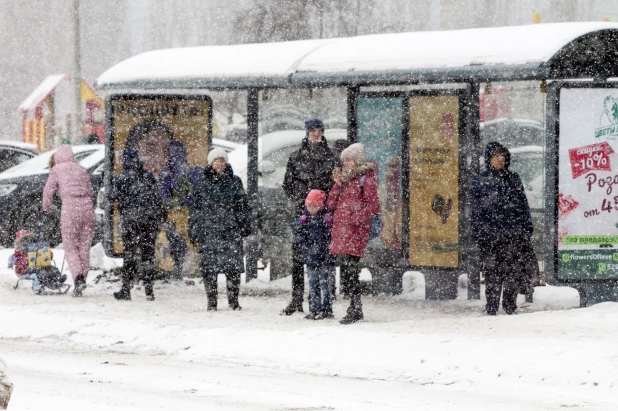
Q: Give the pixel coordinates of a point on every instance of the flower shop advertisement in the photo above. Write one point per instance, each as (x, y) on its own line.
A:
(588, 185)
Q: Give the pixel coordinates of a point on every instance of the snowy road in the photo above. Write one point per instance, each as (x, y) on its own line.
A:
(408, 354)
(56, 378)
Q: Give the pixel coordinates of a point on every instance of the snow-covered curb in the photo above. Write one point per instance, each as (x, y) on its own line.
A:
(460, 350)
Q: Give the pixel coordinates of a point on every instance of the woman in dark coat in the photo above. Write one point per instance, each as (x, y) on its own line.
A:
(501, 227)
(218, 221)
(354, 203)
(141, 213)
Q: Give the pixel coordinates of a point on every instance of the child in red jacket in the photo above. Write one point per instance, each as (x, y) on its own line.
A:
(20, 256)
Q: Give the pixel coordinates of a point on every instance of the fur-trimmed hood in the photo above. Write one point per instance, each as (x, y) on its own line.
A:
(362, 169)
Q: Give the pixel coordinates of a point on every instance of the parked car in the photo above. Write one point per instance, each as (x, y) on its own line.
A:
(21, 193)
(228, 146)
(15, 152)
(274, 212)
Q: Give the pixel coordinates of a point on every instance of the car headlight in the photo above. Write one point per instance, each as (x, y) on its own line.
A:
(7, 189)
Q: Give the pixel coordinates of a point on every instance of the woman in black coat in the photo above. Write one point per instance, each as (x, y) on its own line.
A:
(501, 227)
(218, 221)
(142, 214)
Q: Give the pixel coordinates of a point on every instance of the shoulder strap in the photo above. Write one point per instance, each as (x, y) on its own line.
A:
(362, 185)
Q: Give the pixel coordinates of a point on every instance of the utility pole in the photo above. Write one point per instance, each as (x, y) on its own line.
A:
(76, 76)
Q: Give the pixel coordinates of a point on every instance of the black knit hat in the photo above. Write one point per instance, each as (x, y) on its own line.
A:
(314, 123)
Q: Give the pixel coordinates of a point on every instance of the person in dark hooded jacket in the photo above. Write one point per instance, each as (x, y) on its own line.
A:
(309, 168)
(218, 221)
(141, 214)
(501, 227)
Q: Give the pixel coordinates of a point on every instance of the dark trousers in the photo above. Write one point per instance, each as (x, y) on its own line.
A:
(298, 273)
(232, 281)
(179, 249)
(349, 273)
(503, 268)
(138, 242)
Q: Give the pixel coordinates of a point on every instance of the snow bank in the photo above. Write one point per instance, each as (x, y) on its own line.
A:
(6, 387)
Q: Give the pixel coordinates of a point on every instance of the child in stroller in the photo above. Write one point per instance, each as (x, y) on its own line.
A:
(33, 261)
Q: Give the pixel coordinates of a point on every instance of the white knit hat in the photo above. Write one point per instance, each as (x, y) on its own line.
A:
(354, 152)
(216, 153)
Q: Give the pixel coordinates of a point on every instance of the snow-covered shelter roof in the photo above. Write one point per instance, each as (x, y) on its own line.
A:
(558, 50)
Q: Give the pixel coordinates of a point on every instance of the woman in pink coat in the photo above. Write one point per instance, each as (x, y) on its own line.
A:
(353, 206)
(77, 221)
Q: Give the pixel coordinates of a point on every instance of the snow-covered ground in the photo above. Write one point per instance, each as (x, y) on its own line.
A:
(95, 353)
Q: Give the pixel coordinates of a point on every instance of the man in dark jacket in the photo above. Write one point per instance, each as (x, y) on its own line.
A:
(218, 221)
(141, 215)
(309, 168)
(501, 227)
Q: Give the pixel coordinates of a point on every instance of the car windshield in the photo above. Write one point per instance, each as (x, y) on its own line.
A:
(275, 148)
(87, 156)
(279, 159)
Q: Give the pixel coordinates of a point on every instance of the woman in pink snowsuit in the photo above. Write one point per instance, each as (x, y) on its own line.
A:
(77, 221)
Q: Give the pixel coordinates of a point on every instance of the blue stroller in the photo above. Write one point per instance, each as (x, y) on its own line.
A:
(34, 258)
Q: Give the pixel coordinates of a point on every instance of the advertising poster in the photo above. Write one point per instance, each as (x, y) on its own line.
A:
(434, 176)
(172, 157)
(588, 185)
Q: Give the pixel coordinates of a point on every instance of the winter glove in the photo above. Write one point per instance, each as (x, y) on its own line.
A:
(328, 220)
(298, 224)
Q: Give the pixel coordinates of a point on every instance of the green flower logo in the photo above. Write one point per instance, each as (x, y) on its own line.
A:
(602, 267)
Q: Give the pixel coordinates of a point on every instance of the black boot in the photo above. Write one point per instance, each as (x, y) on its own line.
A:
(328, 314)
(149, 291)
(210, 285)
(212, 302)
(355, 311)
(79, 286)
(313, 316)
(232, 300)
(124, 293)
(233, 288)
(296, 305)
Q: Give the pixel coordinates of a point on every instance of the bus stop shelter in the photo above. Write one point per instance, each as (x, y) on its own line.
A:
(414, 100)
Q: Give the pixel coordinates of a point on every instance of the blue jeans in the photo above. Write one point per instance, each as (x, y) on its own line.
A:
(319, 288)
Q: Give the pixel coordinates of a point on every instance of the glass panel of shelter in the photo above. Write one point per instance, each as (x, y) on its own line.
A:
(513, 113)
(380, 130)
(282, 115)
(422, 127)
